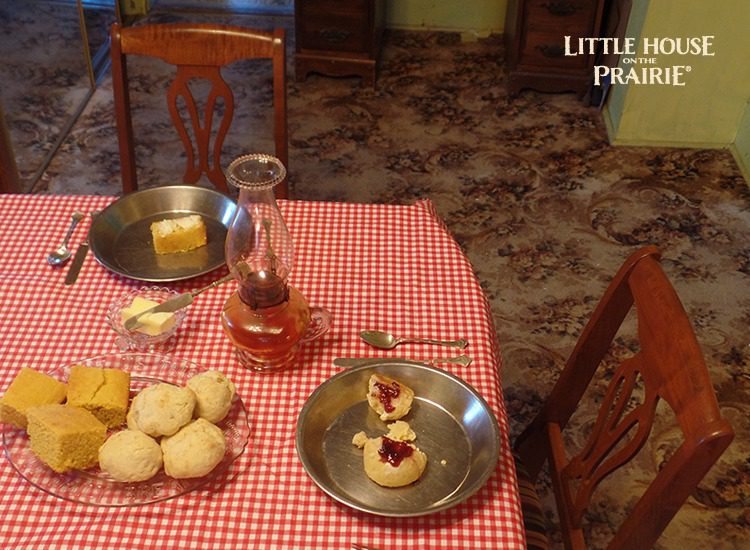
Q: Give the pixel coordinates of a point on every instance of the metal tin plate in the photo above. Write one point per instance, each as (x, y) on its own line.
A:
(454, 425)
(120, 235)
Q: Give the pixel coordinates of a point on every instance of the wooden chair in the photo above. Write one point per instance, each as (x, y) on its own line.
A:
(199, 51)
(668, 366)
(531, 508)
(10, 181)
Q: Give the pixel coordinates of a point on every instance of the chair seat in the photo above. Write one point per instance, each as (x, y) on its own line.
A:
(531, 507)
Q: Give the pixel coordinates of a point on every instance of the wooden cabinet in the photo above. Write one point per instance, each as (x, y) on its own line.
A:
(535, 33)
(338, 38)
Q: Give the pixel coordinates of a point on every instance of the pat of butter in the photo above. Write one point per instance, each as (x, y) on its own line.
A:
(151, 324)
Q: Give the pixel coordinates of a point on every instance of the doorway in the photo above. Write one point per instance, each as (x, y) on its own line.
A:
(52, 53)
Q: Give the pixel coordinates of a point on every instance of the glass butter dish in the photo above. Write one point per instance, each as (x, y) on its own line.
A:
(156, 331)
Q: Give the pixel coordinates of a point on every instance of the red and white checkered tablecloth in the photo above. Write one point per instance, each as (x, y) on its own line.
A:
(392, 267)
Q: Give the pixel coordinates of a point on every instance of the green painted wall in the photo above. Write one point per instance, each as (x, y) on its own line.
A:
(134, 7)
(741, 148)
(616, 100)
(708, 110)
(478, 16)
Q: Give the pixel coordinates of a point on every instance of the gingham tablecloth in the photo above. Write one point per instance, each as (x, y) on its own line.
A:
(373, 266)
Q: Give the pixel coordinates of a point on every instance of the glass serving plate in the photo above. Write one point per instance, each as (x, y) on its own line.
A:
(97, 488)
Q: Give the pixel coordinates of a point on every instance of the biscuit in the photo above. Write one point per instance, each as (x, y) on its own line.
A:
(390, 460)
(161, 409)
(388, 397)
(130, 456)
(213, 394)
(393, 463)
(193, 451)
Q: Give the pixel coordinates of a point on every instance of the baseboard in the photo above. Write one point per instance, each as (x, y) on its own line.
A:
(741, 163)
(668, 143)
(614, 141)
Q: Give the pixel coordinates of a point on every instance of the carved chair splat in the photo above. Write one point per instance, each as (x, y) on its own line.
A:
(198, 51)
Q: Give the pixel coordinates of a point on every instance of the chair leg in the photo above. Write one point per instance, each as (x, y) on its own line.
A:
(532, 447)
(531, 508)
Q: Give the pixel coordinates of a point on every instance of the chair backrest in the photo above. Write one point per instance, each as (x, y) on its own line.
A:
(198, 51)
(668, 366)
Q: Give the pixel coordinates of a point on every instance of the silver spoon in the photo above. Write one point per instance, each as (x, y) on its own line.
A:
(62, 254)
(384, 340)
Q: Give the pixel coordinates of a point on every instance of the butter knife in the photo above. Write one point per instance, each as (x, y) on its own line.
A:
(348, 362)
(173, 304)
(75, 268)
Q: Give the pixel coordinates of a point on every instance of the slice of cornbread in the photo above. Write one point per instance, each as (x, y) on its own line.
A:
(101, 391)
(64, 437)
(29, 388)
(178, 234)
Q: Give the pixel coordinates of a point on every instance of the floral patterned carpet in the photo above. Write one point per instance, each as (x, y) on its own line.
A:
(40, 92)
(543, 206)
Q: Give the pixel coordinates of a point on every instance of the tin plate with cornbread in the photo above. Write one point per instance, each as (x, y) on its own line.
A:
(121, 240)
(95, 487)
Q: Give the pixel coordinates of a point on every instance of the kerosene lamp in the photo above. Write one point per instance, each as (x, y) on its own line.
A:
(266, 318)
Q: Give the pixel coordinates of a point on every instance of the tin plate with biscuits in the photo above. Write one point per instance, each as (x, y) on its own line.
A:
(454, 425)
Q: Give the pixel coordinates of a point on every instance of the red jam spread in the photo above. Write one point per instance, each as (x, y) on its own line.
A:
(394, 452)
(387, 392)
